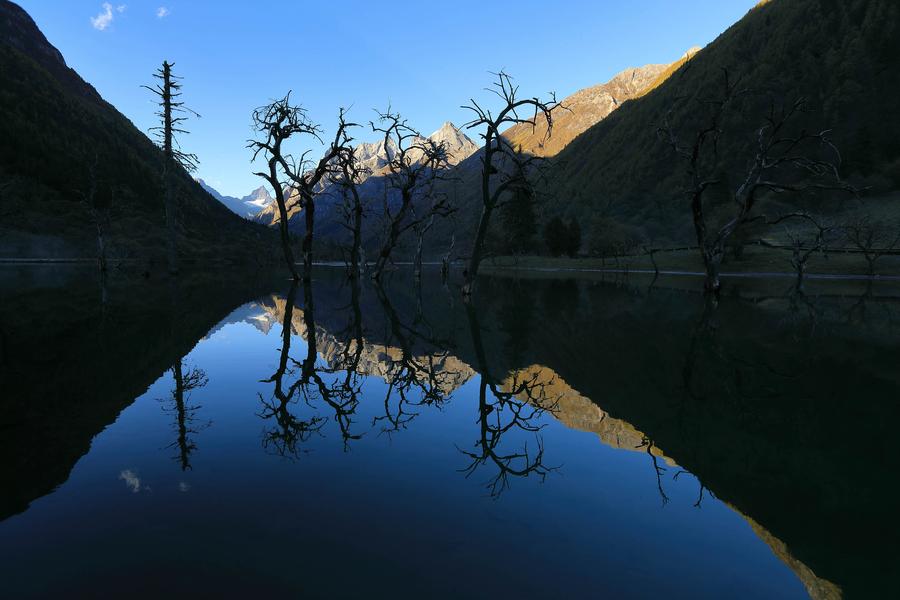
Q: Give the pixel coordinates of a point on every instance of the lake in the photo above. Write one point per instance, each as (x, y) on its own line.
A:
(596, 437)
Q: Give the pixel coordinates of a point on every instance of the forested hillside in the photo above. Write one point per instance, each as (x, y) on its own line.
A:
(59, 137)
(840, 55)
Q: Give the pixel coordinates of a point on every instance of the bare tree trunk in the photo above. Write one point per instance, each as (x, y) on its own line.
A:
(417, 263)
(422, 231)
(355, 252)
(477, 249)
(390, 242)
(286, 240)
(309, 212)
(445, 260)
(171, 241)
(712, 260)
(101, 247)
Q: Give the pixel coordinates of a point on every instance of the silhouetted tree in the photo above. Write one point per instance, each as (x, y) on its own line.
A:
(781, 161)
(805, 245)
(503, 168)
(99, 201)
(277, 123)
(414, 164)
(873, 239)
(170, 113)
(351, 175)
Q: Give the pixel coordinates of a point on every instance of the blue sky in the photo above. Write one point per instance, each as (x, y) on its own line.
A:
(425, 58)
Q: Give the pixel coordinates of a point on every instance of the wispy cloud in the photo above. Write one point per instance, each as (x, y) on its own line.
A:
(102, 20)
(161, 12)
(121, 8)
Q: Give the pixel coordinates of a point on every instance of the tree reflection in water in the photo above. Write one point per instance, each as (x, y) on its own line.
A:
(503, 411)
(185, 413)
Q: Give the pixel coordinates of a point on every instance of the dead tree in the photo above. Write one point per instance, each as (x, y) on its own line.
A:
(99, 204)
(414, 164)
(803, 247)
(295, 181)
(350, 176)
(781, 162)
(447, 258)
(439, 207)
(171, 115)
(872, 239)
(498, 154)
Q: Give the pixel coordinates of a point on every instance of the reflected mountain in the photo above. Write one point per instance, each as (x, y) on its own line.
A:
(71, 363)
(783, 410)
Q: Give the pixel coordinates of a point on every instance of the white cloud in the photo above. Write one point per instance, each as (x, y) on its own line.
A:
(121, 8)
(161, 12)
(102, 20)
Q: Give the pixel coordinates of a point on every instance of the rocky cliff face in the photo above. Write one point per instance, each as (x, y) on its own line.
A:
(585, 108)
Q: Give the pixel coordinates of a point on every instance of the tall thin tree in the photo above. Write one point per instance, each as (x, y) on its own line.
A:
(172, 112)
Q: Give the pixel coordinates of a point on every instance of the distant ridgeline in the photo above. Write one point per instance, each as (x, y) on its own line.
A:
(610, 172)
(54, 131)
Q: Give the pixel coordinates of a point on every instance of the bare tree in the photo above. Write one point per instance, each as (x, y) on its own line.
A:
(171, 114)
(498, 154)
(414, 164)
(803, 247)
(447, 258)
(99, 204)
(873, 239)
(295, 181)
(351, 174)
(782, 162)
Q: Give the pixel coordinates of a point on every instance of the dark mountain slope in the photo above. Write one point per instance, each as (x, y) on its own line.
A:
(55, 126)
(840, 55)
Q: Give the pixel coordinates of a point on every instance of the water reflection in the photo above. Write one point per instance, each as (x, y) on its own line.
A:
(781, 405)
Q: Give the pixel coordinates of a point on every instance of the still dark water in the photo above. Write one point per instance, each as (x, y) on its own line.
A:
(560, 438)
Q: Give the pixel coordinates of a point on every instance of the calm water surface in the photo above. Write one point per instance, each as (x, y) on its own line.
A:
(558, 438)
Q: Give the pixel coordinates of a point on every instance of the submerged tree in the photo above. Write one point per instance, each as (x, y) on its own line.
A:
(295, 181)
(503, 168)
(171, 114)
(350, 176)
(414, 164)
(781, 160)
